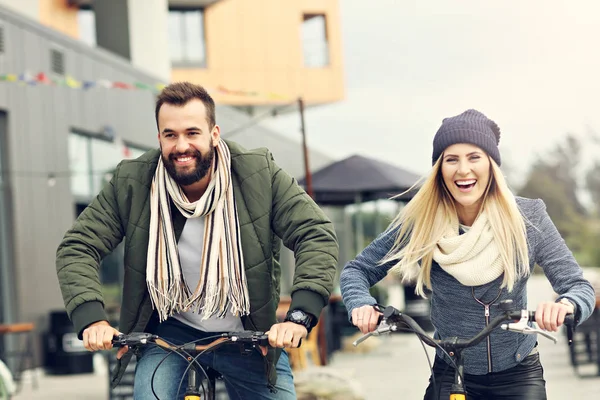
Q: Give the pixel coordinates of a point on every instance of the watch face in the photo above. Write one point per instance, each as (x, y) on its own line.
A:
(298, 315)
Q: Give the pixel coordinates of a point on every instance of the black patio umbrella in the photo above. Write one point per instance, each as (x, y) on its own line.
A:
(360, 179)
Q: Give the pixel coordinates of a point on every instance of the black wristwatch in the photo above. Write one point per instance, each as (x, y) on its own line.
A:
(299, 317)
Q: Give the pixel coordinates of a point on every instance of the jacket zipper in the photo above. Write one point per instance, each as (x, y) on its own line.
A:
(489, 342)
(487, 322)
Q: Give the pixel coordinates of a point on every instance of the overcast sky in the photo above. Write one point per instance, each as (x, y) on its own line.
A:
(533, 66)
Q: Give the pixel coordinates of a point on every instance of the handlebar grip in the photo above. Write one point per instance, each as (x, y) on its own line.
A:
(263, 340)
(249, 337)
(570, 320)
(133, 339)
(118, 340)
(569, 323)
(389, 313)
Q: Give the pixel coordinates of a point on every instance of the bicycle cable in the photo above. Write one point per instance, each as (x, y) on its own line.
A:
(161, 361)
(176, 350)
(198, 362)
(419, 335)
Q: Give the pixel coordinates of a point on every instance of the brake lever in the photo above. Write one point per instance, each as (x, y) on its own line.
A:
(383, 328)
(527, 330)
(523, 327)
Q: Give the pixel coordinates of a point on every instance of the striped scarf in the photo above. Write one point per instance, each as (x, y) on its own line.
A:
(222, 286)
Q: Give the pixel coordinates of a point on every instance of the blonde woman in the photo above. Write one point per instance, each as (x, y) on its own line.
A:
(469, 243)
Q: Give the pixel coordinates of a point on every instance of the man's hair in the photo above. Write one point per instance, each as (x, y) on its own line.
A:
(180, 93)
(427, 217)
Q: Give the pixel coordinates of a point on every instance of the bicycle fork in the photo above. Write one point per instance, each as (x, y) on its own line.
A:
(457, 391)
(192, 392)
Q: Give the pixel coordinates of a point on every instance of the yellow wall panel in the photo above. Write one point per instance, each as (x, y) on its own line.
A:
(57, 15)
(252, 46)
(256, 46)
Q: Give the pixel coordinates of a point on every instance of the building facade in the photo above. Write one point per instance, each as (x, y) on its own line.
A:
(72, 106)
(58, 140)
(250, 53)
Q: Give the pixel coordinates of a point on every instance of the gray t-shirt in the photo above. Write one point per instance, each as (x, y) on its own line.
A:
(190, 256)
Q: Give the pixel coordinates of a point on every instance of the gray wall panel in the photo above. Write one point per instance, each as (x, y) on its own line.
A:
(3, 64)
(31, 48)
(59, 109)
(39, 121)
(74, 97)
(96, 98)
(22, 184)
(14, 45)
(117, 110)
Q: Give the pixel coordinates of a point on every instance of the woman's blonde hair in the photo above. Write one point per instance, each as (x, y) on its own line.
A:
(428, 216)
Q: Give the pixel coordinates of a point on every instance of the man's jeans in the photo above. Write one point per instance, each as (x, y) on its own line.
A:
(243, 375)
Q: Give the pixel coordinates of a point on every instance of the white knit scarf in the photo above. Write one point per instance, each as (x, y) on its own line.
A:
(222, 286)
(473, 258)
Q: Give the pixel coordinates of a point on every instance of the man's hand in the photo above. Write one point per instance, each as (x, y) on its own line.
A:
(99, 336)
(365, 318)
(286, 334)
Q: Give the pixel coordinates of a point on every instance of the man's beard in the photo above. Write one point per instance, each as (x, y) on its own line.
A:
(203, 165)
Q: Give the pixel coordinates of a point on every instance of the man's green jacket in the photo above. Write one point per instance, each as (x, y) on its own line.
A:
(272, 208)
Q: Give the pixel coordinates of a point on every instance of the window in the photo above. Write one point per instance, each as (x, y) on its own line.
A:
(314, 41)
(92, 158)
(79, 165)
(186, 37)
(86, 21)
(57, 61)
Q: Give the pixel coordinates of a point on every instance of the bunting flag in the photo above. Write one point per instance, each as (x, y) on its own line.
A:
(42, 78)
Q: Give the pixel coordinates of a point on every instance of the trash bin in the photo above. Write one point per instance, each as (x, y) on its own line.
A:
(64, 353)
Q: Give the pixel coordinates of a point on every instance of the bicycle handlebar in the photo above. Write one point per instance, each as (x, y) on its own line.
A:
(248, 340)
(392, 318)
(134, 339)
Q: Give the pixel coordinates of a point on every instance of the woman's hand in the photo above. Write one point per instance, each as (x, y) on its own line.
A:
(365, 318)
(550, 316)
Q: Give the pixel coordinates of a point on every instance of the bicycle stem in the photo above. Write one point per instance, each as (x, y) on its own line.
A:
(193, 388)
